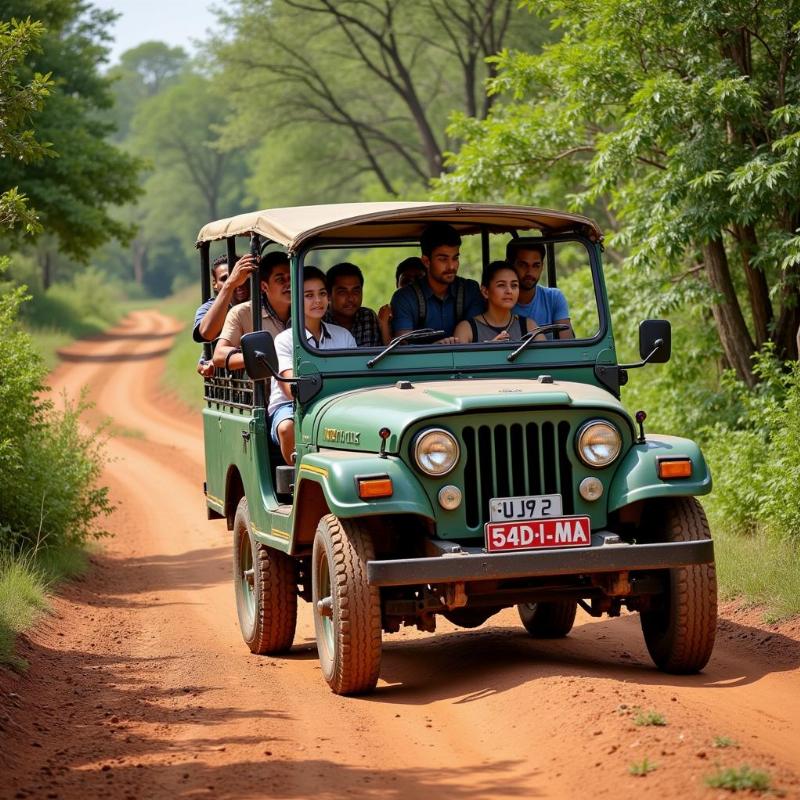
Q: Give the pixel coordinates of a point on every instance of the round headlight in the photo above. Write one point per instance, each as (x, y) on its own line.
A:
(599, 443)
(436, 452)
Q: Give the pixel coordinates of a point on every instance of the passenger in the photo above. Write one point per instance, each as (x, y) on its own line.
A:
(441, 299)
(544, 304)
(499, 323)
(319, 334)
(228, 290)
(276, 300)
(409, 270)
(345, 291)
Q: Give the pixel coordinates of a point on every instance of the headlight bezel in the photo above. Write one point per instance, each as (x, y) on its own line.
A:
(579, 446)
(418, 441)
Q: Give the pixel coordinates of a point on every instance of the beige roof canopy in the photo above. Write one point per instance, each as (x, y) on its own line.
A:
(351, 222)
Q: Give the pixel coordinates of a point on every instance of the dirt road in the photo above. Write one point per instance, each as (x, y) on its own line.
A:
(140, 686)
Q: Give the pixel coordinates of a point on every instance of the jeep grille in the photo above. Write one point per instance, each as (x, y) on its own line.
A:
(517, 459)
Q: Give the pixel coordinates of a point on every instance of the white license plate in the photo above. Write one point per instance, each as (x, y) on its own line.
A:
(504, 509)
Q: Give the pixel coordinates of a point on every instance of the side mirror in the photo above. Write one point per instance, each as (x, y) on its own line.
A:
(260, 358)
(650, 332)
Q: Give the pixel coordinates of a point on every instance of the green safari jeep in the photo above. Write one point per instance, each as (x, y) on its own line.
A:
(452, 479)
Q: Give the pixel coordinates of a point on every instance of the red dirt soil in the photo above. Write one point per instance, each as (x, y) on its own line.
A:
(139, 685)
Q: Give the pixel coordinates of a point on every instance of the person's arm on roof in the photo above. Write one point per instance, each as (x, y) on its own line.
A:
(212, 323)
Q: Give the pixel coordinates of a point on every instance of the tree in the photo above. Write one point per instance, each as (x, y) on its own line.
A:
(73, 191)
(682, 119)
(18, 102)
(385, 73)
(143, 71)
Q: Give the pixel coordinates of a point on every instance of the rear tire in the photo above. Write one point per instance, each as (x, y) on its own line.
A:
(680, 631)
(551, 620)
(347, 610)
(266, 589)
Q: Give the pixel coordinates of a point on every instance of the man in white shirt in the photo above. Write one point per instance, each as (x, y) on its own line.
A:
(319, 334)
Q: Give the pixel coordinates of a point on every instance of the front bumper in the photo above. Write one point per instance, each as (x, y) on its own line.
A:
(538, 563)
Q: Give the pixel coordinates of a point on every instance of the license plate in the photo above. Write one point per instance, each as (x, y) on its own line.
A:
(531, 534)
(502, 509)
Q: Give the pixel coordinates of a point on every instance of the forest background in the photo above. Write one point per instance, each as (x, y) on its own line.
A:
(675, 124)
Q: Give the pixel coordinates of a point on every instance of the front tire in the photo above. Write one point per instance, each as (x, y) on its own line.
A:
(551, 620)
(347, 610)
(680, 630)
(266, 589)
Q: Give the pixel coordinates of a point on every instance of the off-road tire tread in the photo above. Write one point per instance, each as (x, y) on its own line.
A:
(275, 588)
(357, 650)
(551, 620)
(685, 646)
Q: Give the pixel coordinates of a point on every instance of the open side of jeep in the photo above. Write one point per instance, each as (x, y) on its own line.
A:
(452, 479)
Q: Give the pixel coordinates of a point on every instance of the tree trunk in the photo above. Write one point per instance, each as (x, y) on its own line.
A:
(139, 258)
(47, 270)
(760, 304)
(786, 328)
(731, 327)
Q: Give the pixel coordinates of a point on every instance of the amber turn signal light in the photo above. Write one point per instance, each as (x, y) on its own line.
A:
(675, 468)
(374, 487)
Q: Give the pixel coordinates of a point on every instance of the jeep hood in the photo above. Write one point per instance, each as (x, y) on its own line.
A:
(352, 420)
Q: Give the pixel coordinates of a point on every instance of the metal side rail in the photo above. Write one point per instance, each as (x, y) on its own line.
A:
(538, 563)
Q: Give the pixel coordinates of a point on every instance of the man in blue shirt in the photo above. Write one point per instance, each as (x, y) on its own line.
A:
(440, 299)
(543, 304)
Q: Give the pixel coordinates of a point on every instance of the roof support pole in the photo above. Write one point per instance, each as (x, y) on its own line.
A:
(205, 284)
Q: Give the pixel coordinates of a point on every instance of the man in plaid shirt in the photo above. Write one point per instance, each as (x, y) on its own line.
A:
(346, 288)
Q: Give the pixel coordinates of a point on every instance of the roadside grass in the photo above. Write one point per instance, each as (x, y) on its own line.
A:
(724, 741)
(24, 583)
(649, 718)
(742, 779)
(761, 570)
(642, 768)
(180, 375)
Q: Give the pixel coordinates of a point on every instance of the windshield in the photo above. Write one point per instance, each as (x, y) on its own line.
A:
(528, 287)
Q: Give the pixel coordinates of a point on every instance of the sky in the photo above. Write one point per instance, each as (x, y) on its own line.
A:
(176, 22)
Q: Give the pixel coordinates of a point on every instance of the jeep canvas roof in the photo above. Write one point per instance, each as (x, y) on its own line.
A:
(293, 227)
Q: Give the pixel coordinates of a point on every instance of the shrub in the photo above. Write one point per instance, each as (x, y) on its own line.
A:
(49, 468)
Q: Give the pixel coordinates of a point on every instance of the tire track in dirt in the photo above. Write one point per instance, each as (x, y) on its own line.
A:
(141, 687)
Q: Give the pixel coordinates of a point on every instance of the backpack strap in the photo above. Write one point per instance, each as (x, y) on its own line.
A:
(422, 305)
(460, 282)
(474, 328)
(523, 325)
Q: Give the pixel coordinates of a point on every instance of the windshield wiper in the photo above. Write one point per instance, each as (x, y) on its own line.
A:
(421, 333)
(529, 337)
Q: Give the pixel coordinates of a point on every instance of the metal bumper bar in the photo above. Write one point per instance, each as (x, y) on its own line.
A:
(538, 563)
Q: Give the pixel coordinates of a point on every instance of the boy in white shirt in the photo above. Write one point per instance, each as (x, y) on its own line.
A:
(319, 334)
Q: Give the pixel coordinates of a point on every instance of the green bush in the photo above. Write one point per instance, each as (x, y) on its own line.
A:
(49, 468)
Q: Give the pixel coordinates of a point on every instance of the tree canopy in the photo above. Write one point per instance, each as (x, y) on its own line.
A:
(19, 100)
(680, 122)
(72, 191)
(373, 81)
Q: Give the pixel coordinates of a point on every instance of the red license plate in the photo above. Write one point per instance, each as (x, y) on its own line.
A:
(530, 534)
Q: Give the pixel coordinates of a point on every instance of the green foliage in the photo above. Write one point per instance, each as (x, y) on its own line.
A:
(743, 779)
(649, 718)
(678, 125)
(72, 191)
(18, 102)
(49, 467)
(756, 460)
(355, 96)
(642, 768)
(723, 742)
